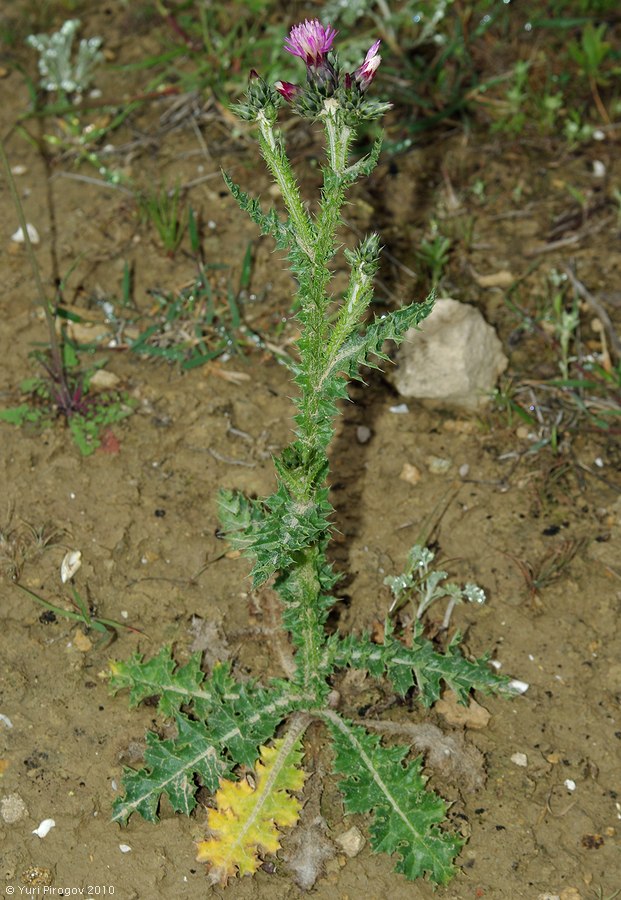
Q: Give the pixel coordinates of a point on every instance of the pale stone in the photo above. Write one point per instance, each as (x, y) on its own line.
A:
(351, 842)
(12, 809)
(454, 359)
(410, 473)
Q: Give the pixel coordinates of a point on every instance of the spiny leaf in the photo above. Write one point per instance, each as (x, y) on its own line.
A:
(223, 725)
(406, 816)
(357, 350)
(420, 664)
(250, 811)
(161, 676)
(240, 518)
(269, 223)
(171, 768)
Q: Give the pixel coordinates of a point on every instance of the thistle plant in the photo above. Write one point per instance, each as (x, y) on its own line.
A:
(240, 740)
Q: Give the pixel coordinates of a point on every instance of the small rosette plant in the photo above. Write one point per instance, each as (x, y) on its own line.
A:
(224, 724)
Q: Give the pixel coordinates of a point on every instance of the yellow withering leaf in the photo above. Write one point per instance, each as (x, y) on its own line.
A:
(250, 811)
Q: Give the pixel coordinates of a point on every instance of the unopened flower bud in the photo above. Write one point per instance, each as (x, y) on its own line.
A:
(287, 90)
(366, 73)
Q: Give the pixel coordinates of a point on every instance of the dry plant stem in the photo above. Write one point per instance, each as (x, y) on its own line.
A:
(597, 308)
(58, 368)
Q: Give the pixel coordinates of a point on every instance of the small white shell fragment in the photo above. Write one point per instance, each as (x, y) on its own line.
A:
(495, 663)
(570, 784)
(520, 759)
(400, 410)
(125, 848)
(70, 565)
(44, 828)
(518, 687)
(464, 470)
(5, 720)
(599, 169)
(18, 169)
(351, 842)
(33, 234)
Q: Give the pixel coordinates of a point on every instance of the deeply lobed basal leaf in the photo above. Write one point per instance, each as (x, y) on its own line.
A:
(249, 813)
(222, 724)
(406, 816)
(421, 665)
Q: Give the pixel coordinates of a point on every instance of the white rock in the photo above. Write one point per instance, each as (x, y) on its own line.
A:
(520, 759)
(454, 359)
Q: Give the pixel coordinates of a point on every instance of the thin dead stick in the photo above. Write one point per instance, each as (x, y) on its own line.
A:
(568, 241)
(597, 308)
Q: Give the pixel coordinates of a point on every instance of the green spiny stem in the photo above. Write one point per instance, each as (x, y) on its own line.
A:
(278, 164)
(338, 137)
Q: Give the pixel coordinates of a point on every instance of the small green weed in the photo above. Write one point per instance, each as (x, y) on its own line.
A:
(434, 254)
(63, 391)
(82, 612)
(163, 208)
(423, 586)
(201, 321)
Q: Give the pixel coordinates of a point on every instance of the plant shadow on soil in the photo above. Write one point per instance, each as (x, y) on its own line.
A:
(142, 511)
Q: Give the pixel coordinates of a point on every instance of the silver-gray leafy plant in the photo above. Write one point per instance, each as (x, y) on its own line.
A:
(222, 721)
(59, 71)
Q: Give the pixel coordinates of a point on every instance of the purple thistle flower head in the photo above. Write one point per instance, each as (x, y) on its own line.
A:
(310, 40)
(366, 73)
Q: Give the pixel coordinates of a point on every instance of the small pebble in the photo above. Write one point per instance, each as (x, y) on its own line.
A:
(363, 434)
(464, 470)
(518, 687)
(520, 759)
(400, 410)
(438, 465)
(12, 809)
(570, 784)
(599, 169)
(125, 848)
(351, 842)
(410, 474)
